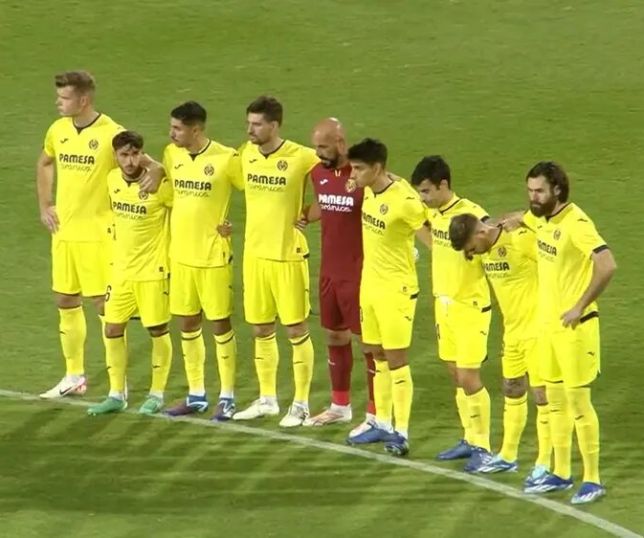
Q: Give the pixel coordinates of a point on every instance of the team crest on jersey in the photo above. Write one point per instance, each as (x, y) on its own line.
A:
(143, 195)
(556, 235)
(350, 185)
(209, 170)
(93, 144)
(383, 209)
(502, 252)
(282, 165)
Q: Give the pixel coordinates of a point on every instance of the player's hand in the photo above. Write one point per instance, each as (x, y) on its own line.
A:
(511, 221)
(152, 179)
(301, 223)
(572, 317)
(225, 229)
(49, 218)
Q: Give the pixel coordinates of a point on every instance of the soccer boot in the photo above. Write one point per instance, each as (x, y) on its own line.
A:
(225, 410)
(551, 482)
(261, 407)
(367, 423)
(478, 458)
(67, 386)
(108, 405)
(192, 404)
(296, 415)
(397, 445)
(462, 450)
(336, 414)
(537, 475)
(496, 464)
(588, 492)
(151, 406)
(373, 435)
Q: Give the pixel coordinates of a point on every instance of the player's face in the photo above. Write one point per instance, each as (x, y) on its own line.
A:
(129, 160)
(543, 198)
(69, 102)
(432, 195)
(258, 129)
(364, 174)
(327, 150)
(181, 134)
(477, 244)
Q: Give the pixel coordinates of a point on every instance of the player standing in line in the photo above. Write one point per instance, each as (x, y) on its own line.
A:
(510, 262)
(574, 265)
(462, 309)
(77, 156)
(139, 276)
(276, 272)
(203, 173)
(338, 207)
(392, 212)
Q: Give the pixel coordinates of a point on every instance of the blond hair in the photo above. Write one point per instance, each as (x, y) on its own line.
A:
(82, 81)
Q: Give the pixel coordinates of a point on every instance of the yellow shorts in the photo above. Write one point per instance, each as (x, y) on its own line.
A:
(571, 356)
(196, 289)
(521, 357)
(80, 266)
(274, 288)
(462, 332)
(149, 297)
(387, 317)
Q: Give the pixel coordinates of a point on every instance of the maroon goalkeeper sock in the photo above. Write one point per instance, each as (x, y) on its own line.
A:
(340, 365)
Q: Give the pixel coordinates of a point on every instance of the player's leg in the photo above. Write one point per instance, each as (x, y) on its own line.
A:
(290, 285)
(215, 288)
(447, 352)
(472, 327)
(120, 305)
(579, 370)
(154, 309)
(186, 307)
(93, 263)
(72, 325)
(260, 311)
(340, 357)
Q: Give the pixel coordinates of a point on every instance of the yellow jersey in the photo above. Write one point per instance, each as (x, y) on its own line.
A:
(141, 229)
(274, 187)
(83, 157)
(390, 219)
(202, 184)
(511, 268)
(565, 244)
(454, 276)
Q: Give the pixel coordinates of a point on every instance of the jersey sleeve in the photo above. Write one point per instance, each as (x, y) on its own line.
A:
(235, 174)
(166, 192)
(525, 241)
(414, 212)
(530, 221)
(585, 236)
(479, 212)
(309, 159)
(48, 146)
(167, 160)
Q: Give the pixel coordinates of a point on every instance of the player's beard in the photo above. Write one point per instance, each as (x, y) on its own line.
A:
(134, 176)
(546, 208)
(331, 164)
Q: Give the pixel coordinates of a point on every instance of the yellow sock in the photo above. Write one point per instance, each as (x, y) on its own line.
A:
(116, 358)
(194, 357)
(73, 331)
(382, 393)
(543, 435)
(515, 416)
(266, 360)
(478, 406)
(302, 366)
(161, 361)
(464, 415)
(587, 428)
(402, 392)
(226, 346)
(561, 426)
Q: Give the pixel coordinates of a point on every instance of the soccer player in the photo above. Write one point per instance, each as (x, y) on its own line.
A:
(276, 273)
(510, 262)
(392, 212)
(139, 276)
(461, 309)
(338, 207)
(203, 173)
(574, 265)
(77, 156)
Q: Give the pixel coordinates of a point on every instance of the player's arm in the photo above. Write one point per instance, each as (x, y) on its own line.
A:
(424, 235)
(310, 213)
(155, 173)
(45, 186)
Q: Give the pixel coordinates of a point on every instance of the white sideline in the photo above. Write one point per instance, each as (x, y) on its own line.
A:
(611, 528)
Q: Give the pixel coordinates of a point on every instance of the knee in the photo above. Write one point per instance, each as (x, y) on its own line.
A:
(68, 301)
(297, 330)
(338, 338)
(263, 331)
(221, 326)
(469, 379)
(190, 324)
(159, 330)
(514, 387)
(113, 330)
(539, 394)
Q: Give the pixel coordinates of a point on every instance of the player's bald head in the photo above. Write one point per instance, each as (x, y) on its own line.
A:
(330, 143)
(329, 129)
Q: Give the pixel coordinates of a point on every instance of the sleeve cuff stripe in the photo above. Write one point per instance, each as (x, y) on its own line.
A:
(600, 249)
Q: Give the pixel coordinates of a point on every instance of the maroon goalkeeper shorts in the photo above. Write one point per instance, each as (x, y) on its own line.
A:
(340, 304)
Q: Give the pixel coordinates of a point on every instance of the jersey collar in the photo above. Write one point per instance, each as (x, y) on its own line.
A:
(449, 205)
(561, 212)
